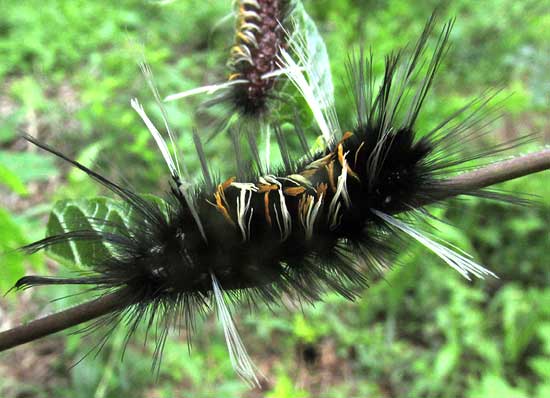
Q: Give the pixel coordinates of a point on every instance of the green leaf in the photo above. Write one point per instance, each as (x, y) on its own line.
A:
(28, 166)
(70, 215)
(30, 92)
(11, 180)
(99, 214)
(543, 332)
(8, 127)
(87, 157)
(493, 385)
(286, 388)
(305, 330)
(305, 30)
(541, 366)
(520, 320)
(446, 360)
(11, 262)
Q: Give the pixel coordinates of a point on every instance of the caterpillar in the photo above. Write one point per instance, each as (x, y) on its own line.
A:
(253, 57)
(327, 221)
(263, 28)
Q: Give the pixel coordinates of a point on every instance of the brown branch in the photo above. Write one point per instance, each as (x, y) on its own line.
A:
(466, 182)
(61, 320)
(502, 171)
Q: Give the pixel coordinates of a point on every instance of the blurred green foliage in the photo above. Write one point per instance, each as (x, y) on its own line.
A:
(69, 68)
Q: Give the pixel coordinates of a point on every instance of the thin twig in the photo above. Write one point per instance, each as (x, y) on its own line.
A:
(62, 320)
(502, 171)
(466, 182)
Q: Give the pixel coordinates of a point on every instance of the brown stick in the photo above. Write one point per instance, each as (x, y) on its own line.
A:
(466, 182)
(502, 171)
(61, 320)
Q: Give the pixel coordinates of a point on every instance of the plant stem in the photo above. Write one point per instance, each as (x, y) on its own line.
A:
(62, 320)
(502, 171)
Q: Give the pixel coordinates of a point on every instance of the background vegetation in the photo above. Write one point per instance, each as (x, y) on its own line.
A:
(68, 70)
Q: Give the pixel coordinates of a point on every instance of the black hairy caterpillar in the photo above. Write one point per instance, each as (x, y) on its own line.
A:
(322, 223)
